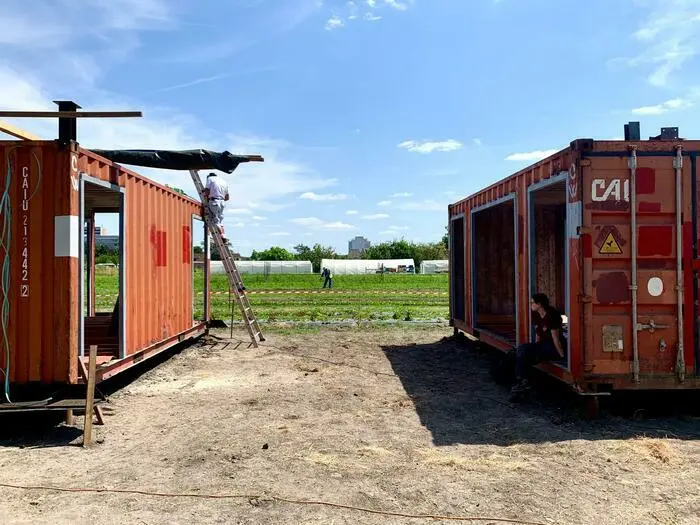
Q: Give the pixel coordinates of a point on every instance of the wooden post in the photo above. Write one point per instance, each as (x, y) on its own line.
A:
(69, 417)
(90, 397)
(230, 304)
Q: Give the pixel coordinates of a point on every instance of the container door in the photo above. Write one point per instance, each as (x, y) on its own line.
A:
(633, 264)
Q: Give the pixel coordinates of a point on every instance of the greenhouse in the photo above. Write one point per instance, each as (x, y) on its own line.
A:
(366, 266)
(266, 267)
(435, 266)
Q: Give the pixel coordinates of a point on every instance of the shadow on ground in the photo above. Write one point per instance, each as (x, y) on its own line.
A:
(459, 402)
(43, 429)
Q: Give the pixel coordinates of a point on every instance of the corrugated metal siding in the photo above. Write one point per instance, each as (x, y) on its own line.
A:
(43, 324)
(158, 267)
(44, 315)
(597, 285)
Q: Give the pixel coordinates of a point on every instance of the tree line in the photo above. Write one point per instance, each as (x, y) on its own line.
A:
(397, 249)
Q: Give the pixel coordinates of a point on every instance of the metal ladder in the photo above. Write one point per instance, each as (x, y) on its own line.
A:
(234, 278)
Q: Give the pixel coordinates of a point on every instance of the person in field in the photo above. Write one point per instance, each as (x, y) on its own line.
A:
(216, 192)
(549, 343)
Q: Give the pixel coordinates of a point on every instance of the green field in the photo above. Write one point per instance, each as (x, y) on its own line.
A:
(363, 297)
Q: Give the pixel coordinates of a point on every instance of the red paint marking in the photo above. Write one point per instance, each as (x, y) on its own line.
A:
(649, 207)
(646, 181)
(587, 245)
(163, 248)
(655, 240)
(186, 245)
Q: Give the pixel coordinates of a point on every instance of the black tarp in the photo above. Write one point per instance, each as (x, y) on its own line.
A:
(195, 159)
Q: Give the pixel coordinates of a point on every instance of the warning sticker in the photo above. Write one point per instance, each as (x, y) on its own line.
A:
(610, 246)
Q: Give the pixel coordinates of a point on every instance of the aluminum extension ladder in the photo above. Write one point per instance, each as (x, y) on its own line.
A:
(234, 278)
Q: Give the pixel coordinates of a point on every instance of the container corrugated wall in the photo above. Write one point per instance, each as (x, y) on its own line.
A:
(158, 258)
(42, 329)
(593, 179)
(42, 245)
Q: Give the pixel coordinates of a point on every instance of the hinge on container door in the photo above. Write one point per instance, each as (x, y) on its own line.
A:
(651, 326)
(585, 299)
(584, 163)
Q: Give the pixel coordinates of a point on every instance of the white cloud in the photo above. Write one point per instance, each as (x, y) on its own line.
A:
(280, 234)
(399, 228)
(431, 146)
(371, 17)
(372, 3)
(351, 212)
(334, 22)
(310, 195)
(532, 156)
(318, 224)
(402, 194)
(236, 225)
(424, 205)
(239, 211)
(259, 218)
(396, 4)
(448, 193)
(375, 216)
(383, 203)
(660, 109)
(670, 36)
(477, 142)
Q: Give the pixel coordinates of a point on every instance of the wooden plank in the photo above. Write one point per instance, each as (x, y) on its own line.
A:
(90, 397)
(84, 374)
(71, 114)
(69, 417)
(16, 132)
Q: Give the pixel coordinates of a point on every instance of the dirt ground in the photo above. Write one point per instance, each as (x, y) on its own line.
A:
(393, 419)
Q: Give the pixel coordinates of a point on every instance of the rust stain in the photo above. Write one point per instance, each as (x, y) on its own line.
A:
(612, 287)
(608, 205)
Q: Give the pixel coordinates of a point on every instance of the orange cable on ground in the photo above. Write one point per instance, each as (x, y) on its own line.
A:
(274, 498)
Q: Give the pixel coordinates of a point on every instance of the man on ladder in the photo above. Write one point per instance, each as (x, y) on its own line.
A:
(216, 192)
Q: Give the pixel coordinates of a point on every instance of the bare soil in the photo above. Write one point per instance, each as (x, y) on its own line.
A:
(400, 419)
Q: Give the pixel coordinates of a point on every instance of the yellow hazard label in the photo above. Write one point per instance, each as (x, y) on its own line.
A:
(610, 246)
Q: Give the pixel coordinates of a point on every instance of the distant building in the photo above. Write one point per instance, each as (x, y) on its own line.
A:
(99, 230)
(111, 242)
(357, 246)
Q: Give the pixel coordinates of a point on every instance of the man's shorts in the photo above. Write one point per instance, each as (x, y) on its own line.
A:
(216, 207)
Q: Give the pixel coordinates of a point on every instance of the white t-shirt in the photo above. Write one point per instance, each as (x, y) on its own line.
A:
(218, 188)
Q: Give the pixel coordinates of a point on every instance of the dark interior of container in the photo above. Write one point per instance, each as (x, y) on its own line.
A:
(102, 319)
(548, 249)
(493, 268)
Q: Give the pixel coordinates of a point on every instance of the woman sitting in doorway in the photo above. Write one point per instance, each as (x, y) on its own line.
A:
(548, 346)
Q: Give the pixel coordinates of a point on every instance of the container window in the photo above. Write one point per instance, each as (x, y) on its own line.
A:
(493, 270)
(198, 276)
(548, 245)
(457, 248)
(102, 257)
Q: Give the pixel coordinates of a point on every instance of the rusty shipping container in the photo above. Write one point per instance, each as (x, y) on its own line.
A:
(609, 231)
(50, 196)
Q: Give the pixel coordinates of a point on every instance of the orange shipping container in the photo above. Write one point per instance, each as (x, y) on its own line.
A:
(609, 231)
(50, 195)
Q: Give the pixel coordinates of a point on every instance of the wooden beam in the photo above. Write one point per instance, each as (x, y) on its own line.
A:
(71, 114)
(84, 374)
(90, 397)
(14, 131)
(255, 158)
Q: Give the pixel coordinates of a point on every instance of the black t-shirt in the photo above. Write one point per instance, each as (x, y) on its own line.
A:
(544, 326)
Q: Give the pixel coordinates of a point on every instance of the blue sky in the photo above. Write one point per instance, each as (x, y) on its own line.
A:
(372, 115)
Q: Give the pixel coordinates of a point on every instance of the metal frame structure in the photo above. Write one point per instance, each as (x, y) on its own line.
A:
(87, 179)
(532, 189)
(450, 248)
(503, 200)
